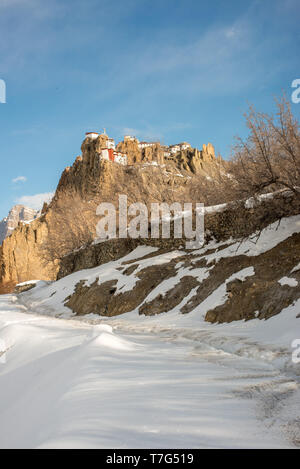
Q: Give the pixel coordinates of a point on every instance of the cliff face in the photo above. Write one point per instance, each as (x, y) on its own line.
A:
(191, 160)
(202, 162)
(131, 148)
(95, 181)
(135, 154)
(17, 214)
(104, 181)
(20, 255)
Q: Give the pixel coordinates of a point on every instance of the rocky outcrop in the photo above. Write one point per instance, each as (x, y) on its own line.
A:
(19, 213)
(96, 254)
(261, 295)
(95, 178)
(24, 287)
(190, 160)
(102, 300)
(131, 148)
(202, 162)
(95, 181)
(21, 257)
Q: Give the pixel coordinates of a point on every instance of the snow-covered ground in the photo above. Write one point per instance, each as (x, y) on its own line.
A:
(166, 381)
(144, 382)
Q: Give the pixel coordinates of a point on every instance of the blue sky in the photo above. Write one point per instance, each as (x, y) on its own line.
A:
(161, 69)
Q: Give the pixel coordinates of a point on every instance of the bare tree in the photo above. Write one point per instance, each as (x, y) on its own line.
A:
(269, 159)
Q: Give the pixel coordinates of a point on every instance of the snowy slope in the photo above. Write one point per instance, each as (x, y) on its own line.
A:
(171, 380)
(66, 384)
(50, 298)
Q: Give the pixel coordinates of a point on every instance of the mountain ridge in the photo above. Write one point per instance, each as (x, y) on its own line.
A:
(18, 213)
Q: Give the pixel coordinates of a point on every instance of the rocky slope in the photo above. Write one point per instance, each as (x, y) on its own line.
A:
(225, 289)
(221, 282)
(19, 213)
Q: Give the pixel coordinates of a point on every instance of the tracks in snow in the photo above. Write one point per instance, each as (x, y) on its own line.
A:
(260, 374)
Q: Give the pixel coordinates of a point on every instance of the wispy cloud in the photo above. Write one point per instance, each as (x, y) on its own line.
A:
(35, 201)
(231, 32)
(222, 59)
(19, 179)
(13, 3)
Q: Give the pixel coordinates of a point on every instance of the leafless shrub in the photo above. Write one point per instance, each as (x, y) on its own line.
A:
(72, 225)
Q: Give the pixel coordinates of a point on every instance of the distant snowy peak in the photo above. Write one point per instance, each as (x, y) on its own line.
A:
(19, 213)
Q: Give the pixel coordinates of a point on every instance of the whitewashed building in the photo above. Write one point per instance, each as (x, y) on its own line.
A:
(175, 149)
(147, 144)
(184, 146)
(92, 135)
(111, 144)
(108, 154)
(179, 147)
(104, 154)
(120, 157)
(129, 138)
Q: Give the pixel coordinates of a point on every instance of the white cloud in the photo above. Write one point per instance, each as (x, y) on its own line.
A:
(35, 201)
(19, 179)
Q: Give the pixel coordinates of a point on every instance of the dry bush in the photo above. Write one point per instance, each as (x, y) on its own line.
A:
(212, 191)
(72, 225)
